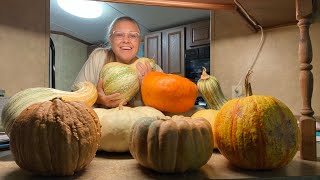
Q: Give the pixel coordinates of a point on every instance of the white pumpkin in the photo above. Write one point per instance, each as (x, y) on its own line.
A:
(116, 125)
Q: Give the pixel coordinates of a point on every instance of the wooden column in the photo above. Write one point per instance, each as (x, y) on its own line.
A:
(304, 11)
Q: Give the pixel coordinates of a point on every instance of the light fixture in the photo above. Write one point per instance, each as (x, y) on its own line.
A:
(81, 8)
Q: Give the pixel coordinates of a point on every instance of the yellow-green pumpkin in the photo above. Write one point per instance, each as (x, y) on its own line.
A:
(257, 132)
(122, 78)
(210, 115)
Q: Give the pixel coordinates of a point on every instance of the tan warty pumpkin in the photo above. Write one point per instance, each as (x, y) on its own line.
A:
(210, 115)
(122, 78)
(116, 125)
(55, 137)
(256, 132)
(174, 144)
(85, 92)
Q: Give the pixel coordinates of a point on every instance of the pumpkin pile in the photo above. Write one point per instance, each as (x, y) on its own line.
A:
(61, 137)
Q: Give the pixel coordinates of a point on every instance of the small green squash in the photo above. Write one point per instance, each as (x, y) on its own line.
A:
(211, 92)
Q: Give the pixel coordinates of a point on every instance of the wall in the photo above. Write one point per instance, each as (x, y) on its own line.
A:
(70, 55)
(24, 45)
(277, 70)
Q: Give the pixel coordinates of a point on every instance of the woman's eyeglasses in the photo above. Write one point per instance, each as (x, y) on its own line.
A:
(133, 36)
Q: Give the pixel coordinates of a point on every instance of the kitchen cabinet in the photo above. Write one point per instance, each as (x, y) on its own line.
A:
(198, 34)
(173, 46)
(167, 47)
(152, 47)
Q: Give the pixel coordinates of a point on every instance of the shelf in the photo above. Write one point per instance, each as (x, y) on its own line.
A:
(123, 166)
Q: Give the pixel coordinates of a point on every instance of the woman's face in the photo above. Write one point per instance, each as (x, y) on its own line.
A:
(125, 40)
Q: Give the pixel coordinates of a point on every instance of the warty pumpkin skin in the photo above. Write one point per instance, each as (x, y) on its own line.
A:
(257, 132)
(168, 92)
(169, 145)
(122, 78)
(116, 125)
(85, 92)
(55, 137)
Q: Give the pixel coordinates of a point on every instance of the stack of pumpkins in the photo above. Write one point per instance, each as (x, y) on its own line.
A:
(254, 132)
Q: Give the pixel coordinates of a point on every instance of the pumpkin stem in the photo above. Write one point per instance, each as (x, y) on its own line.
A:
(58, 97)
(247, 84)
(204, 74)
(121, 104)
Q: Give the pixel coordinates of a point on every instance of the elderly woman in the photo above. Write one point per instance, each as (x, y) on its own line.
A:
(124, 39)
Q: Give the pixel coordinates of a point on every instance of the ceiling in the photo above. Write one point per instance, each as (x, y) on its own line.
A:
(228, 21)
(150, 18)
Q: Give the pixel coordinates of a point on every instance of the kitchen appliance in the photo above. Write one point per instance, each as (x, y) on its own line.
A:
(195, 60)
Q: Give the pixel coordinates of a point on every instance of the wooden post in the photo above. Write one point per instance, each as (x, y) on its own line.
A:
(304, 11)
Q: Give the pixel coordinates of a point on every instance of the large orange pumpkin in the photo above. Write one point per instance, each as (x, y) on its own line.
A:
(168, 92)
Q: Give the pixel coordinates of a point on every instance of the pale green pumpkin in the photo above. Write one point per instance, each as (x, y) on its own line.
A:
(122, 78)
(86, 92)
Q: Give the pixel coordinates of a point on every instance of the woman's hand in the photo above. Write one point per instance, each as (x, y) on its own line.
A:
(109, 101)
(143, 69)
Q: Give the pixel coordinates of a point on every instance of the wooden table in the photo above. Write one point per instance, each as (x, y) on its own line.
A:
(123, 166)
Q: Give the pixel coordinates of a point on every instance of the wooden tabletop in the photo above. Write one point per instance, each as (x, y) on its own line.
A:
(123, 166)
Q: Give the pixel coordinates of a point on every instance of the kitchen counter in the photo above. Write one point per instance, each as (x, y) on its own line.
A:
(123, 166)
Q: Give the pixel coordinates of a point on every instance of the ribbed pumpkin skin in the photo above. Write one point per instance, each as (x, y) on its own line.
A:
(116, 125)
(122, 78)
(168, 92)
(257, 132)
(55, 137)
(177, 144)
(210, 115)
(86, 92)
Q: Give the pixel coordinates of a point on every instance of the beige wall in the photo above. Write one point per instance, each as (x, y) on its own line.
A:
(277, 70)
(24, 45)
(70, 55)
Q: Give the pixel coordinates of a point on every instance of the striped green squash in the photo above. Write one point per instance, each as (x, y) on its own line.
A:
(86, 92)
(211, 92)
(122, 78)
